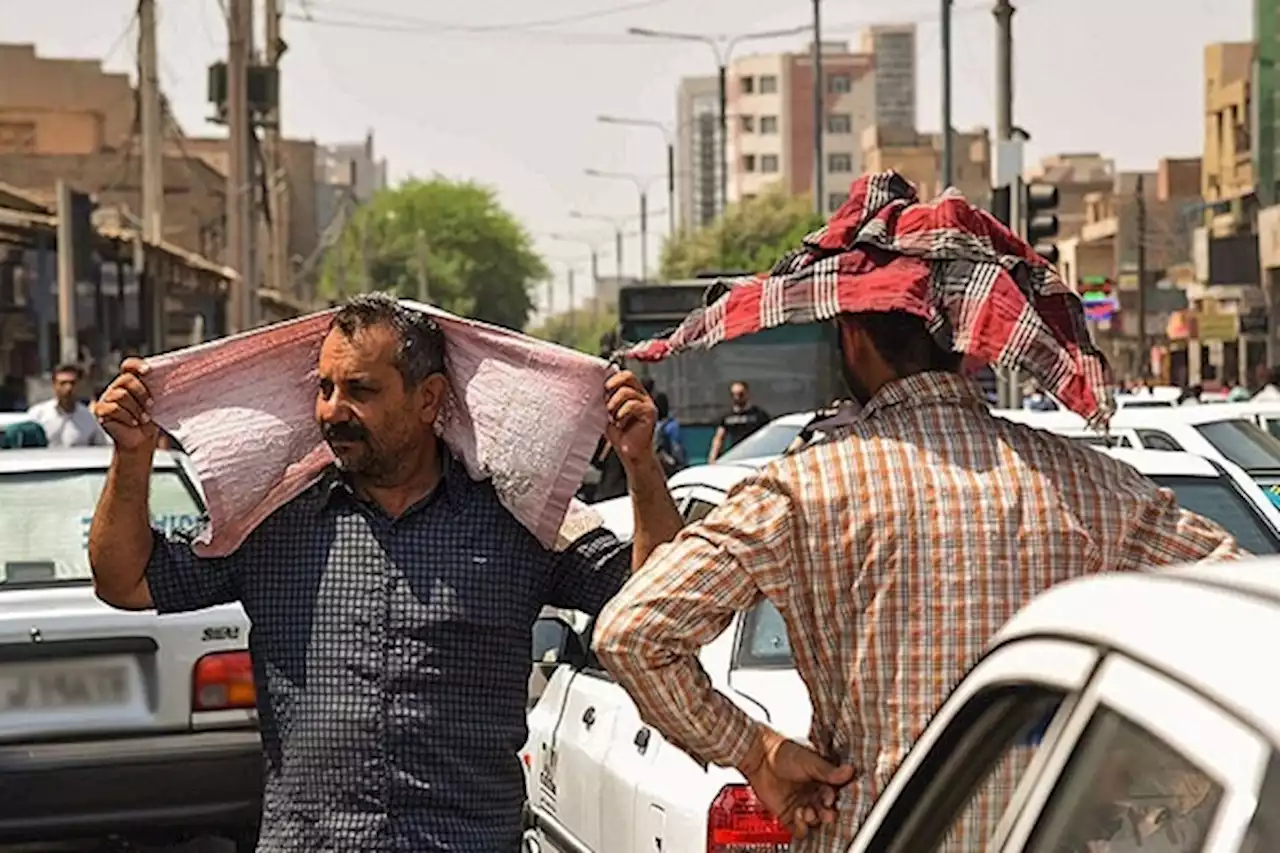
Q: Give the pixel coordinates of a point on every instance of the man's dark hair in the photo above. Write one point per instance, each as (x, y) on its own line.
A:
(73, 369)
(649, 385)
(905, 343)
(421, 350)
(662, 404)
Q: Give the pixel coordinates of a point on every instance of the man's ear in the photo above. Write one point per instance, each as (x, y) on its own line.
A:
(435, 389)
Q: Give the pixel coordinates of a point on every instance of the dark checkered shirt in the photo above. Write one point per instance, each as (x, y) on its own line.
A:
(392, 659)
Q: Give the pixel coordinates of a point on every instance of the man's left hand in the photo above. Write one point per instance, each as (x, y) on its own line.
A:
(632, 418)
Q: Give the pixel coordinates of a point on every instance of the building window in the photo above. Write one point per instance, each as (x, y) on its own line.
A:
(834, 200)
(17, 137)
(768, 84)
(747, 124)
(840, 163)
(839, 123)
(839, 84)
(769, 163)
(748, 162)
(748, 84)
(768, 124)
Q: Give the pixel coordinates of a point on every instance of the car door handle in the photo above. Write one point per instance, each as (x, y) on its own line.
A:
(589, 717)
(642, 740)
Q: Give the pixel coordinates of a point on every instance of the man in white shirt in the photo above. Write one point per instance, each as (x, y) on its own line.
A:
(66, 421)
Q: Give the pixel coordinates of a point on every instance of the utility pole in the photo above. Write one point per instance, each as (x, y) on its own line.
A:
(617, 253)
(277, 196)
(1006, 382)
(240, 220)
(644, 236)
(68, 337)
(1144, 354)
(947, 167)
(819, 113)
(424, 291)
(595, 281)
(724, 136)
(152, 143)
(573, 308)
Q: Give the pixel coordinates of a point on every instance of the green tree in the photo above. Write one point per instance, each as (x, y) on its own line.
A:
(476, 258)
(751, 236)
(582, 330)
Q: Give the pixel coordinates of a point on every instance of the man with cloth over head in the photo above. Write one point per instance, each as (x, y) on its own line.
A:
(896, 549)
(392, 603)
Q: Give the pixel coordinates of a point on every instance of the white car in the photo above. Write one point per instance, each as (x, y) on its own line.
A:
(117, 722)
(600, 779)
(1226, 432)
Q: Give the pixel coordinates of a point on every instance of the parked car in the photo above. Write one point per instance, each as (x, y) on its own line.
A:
(118, 722)
(599, 778)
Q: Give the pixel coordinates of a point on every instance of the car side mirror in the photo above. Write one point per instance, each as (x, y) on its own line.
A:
(555, 642)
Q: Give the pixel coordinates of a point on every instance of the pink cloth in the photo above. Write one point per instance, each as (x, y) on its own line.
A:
(523, 413)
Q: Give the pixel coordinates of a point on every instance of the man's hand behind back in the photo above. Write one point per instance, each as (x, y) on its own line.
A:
(795, 783)
(123, 409)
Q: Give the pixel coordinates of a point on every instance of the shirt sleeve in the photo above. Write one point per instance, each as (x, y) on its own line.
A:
(180, 581)
(683, 598)
(1165, 534)
(589, 572)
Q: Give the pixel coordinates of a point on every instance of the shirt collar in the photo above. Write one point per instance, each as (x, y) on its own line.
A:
(931, 388)
(454, 483)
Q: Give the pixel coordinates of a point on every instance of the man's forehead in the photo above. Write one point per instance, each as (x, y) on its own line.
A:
(371, 346)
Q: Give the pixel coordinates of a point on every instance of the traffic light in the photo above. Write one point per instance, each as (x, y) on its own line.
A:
(1040, 204)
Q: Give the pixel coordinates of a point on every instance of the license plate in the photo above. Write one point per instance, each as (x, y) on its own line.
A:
(58, 686)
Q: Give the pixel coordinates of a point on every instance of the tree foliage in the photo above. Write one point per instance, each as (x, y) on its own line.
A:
(751, 236)
(582, 330)
(478, 260)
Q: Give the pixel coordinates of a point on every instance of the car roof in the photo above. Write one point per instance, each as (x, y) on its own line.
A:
(795, 419)
(26, 459)
(718, 475)
(1234, 608)
(1164, 463)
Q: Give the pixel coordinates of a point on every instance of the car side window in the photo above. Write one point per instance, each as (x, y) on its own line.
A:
(1154, 439)
(955, 799)
(593, 667)
(697, 510)
(1126, 789)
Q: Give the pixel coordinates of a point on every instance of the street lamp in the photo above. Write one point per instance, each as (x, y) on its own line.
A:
(641, 183)
(616, 223)
(722, 47)
(669, 136)
(594, 247)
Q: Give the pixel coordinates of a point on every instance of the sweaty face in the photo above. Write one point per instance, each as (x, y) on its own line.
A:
(372, 422)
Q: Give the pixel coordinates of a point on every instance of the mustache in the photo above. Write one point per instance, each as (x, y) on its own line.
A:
(344, 431)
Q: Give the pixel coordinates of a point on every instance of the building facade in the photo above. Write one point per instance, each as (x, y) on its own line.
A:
(894, 49)
(697, 152)
(918, 157)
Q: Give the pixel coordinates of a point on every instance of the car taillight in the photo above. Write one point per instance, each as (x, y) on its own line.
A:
(739, 823)
(223, 681)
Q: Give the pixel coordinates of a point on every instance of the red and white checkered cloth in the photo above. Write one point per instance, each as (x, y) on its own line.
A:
(982, 289)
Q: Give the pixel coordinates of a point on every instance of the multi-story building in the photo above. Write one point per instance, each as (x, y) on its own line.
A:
(771, 133)
(894, 49)
(697, 152)
(1228, 163)
(1078, 176)
(918, 157)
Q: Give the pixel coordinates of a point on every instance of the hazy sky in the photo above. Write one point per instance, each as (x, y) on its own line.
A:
(507, 91)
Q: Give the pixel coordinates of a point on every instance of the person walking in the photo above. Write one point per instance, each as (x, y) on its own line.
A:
(66, 421)
(392, 602)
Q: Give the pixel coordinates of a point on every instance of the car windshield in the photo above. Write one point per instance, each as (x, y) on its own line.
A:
(45, 535)
(1217, 499)
(1244, 443)
(772, 439)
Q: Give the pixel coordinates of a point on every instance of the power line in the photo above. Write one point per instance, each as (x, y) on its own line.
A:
(447, 26)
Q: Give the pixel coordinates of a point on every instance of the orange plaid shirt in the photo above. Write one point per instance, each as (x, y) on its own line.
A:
(894, 553)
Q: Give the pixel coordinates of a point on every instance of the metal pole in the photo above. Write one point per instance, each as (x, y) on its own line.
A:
(595, 281)
(1144, 354)
(277, 198)
(152, 161)
(1003, 12)
(644, 236)
(68, 340)
(239, 171)
(671, 189)
(617, 252)
(424, 291)
(819, 196)
(573, 310)
(724, 138)
(947, 168)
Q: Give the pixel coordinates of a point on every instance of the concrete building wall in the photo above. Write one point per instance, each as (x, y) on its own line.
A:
(61, 106)
(918, 156)
(894, 50)
(697, 154)
(1227, 170)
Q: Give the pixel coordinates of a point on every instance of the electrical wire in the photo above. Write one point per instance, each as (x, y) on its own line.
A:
(446, 26)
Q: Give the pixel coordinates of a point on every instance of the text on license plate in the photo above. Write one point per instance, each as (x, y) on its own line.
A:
(54, 688)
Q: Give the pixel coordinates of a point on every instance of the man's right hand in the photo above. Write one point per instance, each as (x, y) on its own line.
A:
(123, 409)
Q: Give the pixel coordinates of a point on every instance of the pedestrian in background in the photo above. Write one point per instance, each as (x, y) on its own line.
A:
(392, 602)
(744, 418)
(67, 422)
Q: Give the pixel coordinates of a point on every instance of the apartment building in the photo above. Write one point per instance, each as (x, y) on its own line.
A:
(894, 49)
(1079, 176)
(918, 157)
(1228, 141)
(771, 131)
(697, 151)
